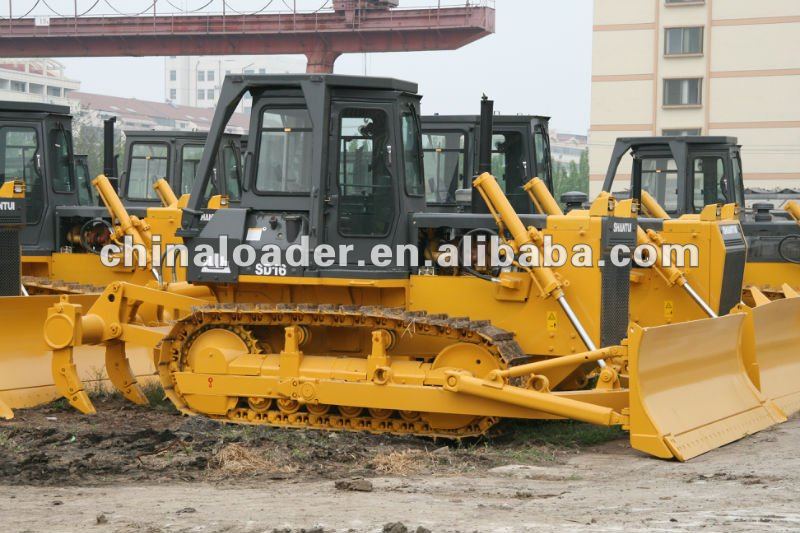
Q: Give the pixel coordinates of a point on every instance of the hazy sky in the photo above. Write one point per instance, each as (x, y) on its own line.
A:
(538, 62)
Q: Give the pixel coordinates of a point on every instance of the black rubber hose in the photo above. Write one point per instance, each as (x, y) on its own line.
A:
(783, 255)
(91, 223)
(470, 270)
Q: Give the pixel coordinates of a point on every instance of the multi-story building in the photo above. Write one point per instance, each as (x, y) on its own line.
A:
(710, 67)
(35, 80)
(196, 80)
(133, 114)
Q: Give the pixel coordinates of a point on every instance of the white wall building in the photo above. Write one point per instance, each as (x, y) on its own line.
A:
(710, 67)
(35, 80)
(196, 80)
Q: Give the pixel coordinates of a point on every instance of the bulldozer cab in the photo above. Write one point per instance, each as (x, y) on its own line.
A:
(36, 147)
(683, 174)
(175, 156)
(334, 159)
(520, 151)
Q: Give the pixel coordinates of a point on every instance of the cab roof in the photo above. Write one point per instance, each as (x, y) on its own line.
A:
(331, 80)
(33, 107)
(497, 119)
(635, 142)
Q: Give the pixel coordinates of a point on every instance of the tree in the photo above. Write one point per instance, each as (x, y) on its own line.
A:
(88, 140)
(571, 177)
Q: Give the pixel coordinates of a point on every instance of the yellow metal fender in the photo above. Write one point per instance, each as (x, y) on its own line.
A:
(689, 390)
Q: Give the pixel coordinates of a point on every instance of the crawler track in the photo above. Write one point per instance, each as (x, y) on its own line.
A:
(250, 323)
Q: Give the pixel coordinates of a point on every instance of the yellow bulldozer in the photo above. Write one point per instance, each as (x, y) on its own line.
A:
(681, 176)
(350, 341)
(65, 228)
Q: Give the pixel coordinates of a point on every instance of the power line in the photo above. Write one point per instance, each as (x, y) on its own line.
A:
(191, 10)
(118, 12)
(53, 10)
(253, 13)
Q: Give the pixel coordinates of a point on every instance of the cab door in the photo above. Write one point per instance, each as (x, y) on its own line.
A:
(712, 179)
(22, 158)
(541, 148)
(511, 164)
(361, 205)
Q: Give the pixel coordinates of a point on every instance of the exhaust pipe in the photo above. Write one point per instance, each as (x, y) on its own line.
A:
(484, 151)
(109, 160)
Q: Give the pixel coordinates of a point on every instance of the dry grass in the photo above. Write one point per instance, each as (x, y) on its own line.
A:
(237, 460)
(400, 463)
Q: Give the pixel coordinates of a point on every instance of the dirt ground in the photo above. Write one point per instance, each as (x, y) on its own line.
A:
(133, 469)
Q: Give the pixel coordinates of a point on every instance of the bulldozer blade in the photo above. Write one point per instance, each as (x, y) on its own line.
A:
(26, 365)
(689, 391)
(5, 411)
(119, 372)
(776, 332)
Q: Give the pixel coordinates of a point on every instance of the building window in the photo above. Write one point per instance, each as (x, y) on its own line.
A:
(262, 71)
(201, 75)
(35, 88)
(173, 94)
(173, 75)
(683, 41)
(211, 94)
(54, 91)
(201, 94)
(210, 75)
(249, 71)
(18, 86)
(681, 132)
(3, 84)
(683, 92)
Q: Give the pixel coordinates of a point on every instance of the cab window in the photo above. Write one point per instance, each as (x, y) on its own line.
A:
(149, 163)
(230, 172)
(366, 198)
(711, 184)
(542, 149)
(61, 152)
(285, 154)
(507, 160)
(191, 154)
(660, 180)
(412, 156)
(20, 160)
(85, 191)
(444, 165)
(736, 180)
